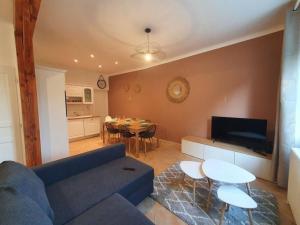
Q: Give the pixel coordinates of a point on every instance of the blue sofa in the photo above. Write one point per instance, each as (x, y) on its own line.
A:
(98, 187)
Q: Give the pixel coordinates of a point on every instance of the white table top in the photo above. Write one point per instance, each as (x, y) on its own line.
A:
(235, 197)
(192, 169)
(226, 172)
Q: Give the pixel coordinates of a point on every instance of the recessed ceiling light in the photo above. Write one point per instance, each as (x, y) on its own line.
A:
(76, 60)
(99, 66)
(116, 62)
(92, 56)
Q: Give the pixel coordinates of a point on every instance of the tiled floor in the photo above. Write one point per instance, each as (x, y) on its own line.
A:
(161, 158)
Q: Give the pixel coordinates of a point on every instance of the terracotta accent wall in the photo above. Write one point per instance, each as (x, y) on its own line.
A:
(238, 81)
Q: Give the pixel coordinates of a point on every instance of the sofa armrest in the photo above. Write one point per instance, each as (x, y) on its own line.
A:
(60, 169)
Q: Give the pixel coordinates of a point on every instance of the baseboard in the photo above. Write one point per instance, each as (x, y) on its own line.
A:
(164, 141)
(82, 138)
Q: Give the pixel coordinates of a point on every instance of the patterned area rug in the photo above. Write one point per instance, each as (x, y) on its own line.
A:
(176, 194)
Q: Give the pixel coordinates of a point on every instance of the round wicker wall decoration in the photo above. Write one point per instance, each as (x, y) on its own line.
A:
(178, 90)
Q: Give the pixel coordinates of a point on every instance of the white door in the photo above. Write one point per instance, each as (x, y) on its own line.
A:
(10, 126)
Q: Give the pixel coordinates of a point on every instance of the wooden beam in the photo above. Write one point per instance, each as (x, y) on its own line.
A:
(26, 12)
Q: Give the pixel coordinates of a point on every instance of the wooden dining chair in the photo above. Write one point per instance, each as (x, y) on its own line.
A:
(126, 135)
(111, 130)
(148, 134)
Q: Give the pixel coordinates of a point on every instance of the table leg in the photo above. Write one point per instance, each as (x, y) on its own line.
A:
(137, 144)
(250, 217)
(194, 192)
(103, 134)
(223, 213)
(248, 189)
(210, 186)
(183, 177)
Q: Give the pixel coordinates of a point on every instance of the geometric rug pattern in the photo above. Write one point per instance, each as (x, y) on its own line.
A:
(176, 194)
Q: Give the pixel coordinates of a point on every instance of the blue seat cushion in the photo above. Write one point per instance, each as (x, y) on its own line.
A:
(19, 209)
(114, 210)
(72, 196)
(25, 181)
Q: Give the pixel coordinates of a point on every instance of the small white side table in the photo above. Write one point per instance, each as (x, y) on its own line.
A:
(232, 195)
(221, 171)
(194, 171)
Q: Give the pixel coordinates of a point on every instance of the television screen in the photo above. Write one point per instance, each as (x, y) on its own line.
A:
(251, 133)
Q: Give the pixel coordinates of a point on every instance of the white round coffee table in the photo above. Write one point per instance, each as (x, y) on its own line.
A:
(194, 171)
(233, 196)
(218, 170)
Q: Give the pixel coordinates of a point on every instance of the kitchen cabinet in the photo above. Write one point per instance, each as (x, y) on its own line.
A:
(83, 127)
(88, 95)
(75, 128)
(91, 126)
(74, 91)
(79, 94)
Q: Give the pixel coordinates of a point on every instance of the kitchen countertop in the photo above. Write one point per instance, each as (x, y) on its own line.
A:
(81, 117)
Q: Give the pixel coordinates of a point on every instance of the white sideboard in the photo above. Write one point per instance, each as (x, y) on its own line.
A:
(205, 149)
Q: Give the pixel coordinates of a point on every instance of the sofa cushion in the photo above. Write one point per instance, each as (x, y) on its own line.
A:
(61, 169)
(19, 209)
(72, 196)
(25, 181)
(114, 210)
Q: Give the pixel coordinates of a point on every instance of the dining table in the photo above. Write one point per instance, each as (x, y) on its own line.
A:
(134, 125)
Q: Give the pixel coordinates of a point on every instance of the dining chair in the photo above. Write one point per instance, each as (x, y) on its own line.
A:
(108, 119)
(148, 134)
(126, 135)
(111, 130)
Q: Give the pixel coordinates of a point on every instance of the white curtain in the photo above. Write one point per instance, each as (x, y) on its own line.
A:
(288, 114)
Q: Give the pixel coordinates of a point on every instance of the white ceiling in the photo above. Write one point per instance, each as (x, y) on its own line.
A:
(111, 29)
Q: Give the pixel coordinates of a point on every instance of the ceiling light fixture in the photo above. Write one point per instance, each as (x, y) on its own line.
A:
(92, 56)
(116, 62)
(76, 60)
(148, 51)
(99, 66)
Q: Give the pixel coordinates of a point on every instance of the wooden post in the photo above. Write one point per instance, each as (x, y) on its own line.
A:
(26, 12)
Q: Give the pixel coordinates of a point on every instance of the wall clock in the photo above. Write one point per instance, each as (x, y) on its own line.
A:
(178, 90)
(101, 83)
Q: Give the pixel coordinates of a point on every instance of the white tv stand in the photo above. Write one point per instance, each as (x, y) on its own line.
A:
(203, 148)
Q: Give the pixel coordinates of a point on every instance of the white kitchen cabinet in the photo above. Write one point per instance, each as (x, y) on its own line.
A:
(88, 95)
(91, 126)
(83, 127)
(74, 91)
(76, 128)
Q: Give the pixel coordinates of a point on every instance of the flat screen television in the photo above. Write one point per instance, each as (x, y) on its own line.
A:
(250, 133)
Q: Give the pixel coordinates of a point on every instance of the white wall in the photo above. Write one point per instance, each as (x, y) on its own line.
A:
(10, 99)
(52, 113)
(89, 79)
(297, 127)
(84, 78)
